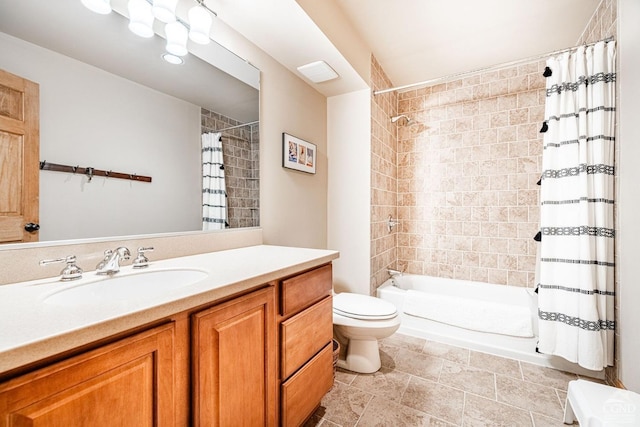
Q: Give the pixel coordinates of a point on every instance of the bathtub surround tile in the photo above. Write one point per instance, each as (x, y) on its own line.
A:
(486, 149)
(481, 412)
(435, 399)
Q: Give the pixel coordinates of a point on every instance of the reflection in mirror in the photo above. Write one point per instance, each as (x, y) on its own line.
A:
(108, 101)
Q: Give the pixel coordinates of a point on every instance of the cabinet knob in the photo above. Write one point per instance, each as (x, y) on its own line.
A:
(31, 227)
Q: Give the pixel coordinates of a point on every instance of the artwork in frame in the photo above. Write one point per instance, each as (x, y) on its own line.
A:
(298, 154)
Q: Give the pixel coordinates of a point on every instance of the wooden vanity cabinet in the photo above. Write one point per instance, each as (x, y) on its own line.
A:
(234, 362)
(127, 383)
(305, 324)
(246, 361)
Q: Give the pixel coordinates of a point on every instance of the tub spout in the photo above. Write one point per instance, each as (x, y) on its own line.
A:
(394, 275)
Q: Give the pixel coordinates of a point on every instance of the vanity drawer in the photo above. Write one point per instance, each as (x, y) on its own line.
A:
(302, 393)
(304, 334)
(303, 290)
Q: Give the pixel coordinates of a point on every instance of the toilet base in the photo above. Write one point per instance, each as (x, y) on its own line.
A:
(363, 356)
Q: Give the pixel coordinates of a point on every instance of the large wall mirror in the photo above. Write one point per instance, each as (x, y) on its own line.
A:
(109, 101)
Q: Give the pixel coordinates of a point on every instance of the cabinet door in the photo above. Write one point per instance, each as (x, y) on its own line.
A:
(234, 364)
(127, 383)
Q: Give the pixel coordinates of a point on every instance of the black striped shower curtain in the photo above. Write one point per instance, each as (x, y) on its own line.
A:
(576, 264)
(214, 192)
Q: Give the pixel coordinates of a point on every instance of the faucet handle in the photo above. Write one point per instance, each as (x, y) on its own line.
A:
(102, 263)
(70, 272)
(141, 260)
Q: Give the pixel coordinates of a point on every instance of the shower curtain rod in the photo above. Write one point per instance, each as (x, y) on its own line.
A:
(237, 126)
(482, 70)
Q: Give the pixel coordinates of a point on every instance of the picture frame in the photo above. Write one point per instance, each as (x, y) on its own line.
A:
(298, 154)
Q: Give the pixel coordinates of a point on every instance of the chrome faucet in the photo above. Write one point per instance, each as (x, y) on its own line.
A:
(111, 262)
(394, 275)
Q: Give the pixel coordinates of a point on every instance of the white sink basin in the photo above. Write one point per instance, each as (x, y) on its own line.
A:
(126, 287)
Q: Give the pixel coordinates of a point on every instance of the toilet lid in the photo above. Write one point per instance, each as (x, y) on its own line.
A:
(364, 307)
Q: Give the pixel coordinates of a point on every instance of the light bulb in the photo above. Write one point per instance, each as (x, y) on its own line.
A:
(165, 10)
(102, 7)
(177, 36)
(200, 24)
(140, 18)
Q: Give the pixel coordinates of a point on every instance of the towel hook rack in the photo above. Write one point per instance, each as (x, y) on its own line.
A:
(91, 172)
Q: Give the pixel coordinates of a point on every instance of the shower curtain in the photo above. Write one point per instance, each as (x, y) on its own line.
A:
(214, 193)
(576, 265)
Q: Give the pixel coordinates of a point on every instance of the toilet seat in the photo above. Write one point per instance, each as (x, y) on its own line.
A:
(364, 307)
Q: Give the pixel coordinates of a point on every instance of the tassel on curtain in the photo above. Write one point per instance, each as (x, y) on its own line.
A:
(214, 192)
(576, 265)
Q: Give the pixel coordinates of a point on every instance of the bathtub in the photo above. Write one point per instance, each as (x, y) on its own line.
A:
(515, 347)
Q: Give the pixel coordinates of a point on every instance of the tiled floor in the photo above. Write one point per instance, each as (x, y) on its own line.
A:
(425, 383)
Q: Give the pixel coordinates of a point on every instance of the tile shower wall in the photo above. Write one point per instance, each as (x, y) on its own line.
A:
(240, 148)
(383, 177)
(468, 168)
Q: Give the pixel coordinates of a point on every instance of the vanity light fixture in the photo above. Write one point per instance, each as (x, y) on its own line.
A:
(177, 36)
(140, 18)
(165, 10)
(200, 23)
(143, 13)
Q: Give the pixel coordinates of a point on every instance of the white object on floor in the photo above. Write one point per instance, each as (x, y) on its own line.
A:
(483, 316)
(598, 405)
(359, 321)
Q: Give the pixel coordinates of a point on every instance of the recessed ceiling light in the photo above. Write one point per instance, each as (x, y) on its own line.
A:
(318, 72)
(172, 59)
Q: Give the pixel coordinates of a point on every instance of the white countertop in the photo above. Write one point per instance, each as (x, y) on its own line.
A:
(32, 329)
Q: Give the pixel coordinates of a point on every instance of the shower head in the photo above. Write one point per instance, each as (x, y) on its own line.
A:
(396, 118)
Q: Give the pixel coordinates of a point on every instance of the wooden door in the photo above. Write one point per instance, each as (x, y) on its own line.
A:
(19, 157)
(234, 370)
(127, 383)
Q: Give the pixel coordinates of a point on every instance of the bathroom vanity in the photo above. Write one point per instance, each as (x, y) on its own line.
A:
(250, 344)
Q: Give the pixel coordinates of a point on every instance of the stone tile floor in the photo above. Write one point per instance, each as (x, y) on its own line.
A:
(425, 383)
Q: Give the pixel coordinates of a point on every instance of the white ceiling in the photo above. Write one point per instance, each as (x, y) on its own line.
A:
(413, 40)
(418, 40)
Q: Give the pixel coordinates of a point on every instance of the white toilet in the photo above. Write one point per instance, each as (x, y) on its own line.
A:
(359, 321)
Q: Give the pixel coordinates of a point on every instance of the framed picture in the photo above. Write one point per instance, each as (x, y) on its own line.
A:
(298, 154)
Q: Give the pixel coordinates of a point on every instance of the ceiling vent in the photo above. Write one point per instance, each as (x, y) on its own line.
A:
(318, 72)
